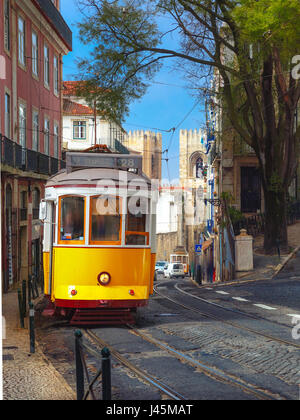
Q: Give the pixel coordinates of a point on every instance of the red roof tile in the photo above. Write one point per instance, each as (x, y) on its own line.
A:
(73, 108)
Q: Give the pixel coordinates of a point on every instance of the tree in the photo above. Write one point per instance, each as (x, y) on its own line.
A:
(250, 43)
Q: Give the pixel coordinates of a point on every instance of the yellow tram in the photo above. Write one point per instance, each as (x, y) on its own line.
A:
(99, 244)
(181, 256)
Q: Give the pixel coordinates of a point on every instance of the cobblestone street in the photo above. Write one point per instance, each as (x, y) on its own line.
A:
(27, 376)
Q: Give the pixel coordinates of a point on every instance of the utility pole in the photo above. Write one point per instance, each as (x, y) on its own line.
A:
(95, 116)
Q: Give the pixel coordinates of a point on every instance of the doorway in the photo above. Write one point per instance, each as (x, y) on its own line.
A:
(250, 189)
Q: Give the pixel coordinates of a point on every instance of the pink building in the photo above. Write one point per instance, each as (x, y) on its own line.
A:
(34, 38)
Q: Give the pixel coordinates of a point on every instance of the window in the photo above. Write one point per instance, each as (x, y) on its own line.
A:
(199, 168)
(36, 198)
(21, 41)
(79, 130)
(46, 66)
(35, 54)
(35, 131)
(7, 25)
(22, 125)
(55, 75)
(72, 219)
(46, 136)
(56, 139)
(136, 227)
(106, 220)
(23, 206)
(7, 115)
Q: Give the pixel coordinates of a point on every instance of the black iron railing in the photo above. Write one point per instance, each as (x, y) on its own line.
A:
(56, 19)
(16, 156)
(255, 224)
(82, 373)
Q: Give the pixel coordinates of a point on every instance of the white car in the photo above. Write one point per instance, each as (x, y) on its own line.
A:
(159, 267)
(174, 270)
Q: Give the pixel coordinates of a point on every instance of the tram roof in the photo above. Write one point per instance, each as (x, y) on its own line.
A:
(91, 176)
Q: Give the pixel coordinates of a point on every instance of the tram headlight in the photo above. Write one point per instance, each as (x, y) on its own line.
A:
(104, 279)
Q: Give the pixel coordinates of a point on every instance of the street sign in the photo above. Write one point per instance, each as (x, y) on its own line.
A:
(198, 248)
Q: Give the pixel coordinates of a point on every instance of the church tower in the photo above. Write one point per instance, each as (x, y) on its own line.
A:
(193, 181)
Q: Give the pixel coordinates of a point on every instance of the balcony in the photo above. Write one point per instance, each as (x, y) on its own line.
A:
(55, 18)
(18, 157)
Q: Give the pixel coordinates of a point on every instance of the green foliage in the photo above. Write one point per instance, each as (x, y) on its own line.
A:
(269, 22)
(117, 64)
(235, 215)
(228, 197)
(275, 184)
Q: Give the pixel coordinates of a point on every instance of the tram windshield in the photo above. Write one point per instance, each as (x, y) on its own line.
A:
(105, 219)
(72, 219)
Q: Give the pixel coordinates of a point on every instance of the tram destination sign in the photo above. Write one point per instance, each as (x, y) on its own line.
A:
(112, 161)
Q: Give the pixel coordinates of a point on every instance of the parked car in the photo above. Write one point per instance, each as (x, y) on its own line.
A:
(174, 270)
(159, 266)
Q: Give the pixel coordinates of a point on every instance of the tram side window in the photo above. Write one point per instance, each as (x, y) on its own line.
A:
(72, 219)
(105, 219)
(136, 229)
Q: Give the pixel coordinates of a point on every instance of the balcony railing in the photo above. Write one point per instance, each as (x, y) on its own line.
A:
(16, 156)
(57, 20)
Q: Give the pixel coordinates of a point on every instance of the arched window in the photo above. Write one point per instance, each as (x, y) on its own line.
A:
(199, 167)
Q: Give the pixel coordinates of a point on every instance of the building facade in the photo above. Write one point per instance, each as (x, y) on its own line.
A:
(83, 127)
(148, 144)
(33, 41)
(193, 172)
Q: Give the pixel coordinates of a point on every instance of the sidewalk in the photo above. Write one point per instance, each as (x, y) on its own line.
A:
(266, 266)
(27, 376)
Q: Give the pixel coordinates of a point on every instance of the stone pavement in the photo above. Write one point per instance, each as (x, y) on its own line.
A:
(266, 266)
(27, 376)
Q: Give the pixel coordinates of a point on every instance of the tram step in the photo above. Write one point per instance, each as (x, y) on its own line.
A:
(102, 317)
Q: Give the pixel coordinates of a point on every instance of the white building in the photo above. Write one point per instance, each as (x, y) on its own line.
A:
(167, 211)
(79, 129)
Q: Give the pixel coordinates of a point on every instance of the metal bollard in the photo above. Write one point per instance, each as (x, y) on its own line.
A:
(31, 328)
(21, 311)
(106, 374)
(79, 366)
(29, 289)
(24, 304)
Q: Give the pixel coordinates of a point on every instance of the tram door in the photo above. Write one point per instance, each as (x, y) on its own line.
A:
(36, 258)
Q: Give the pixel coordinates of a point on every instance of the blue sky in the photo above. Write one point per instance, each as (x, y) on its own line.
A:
(166, 104)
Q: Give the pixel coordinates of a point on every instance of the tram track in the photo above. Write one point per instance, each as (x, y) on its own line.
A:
(165, 389)
(236, 311)
(212, 372)
(219, 319)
